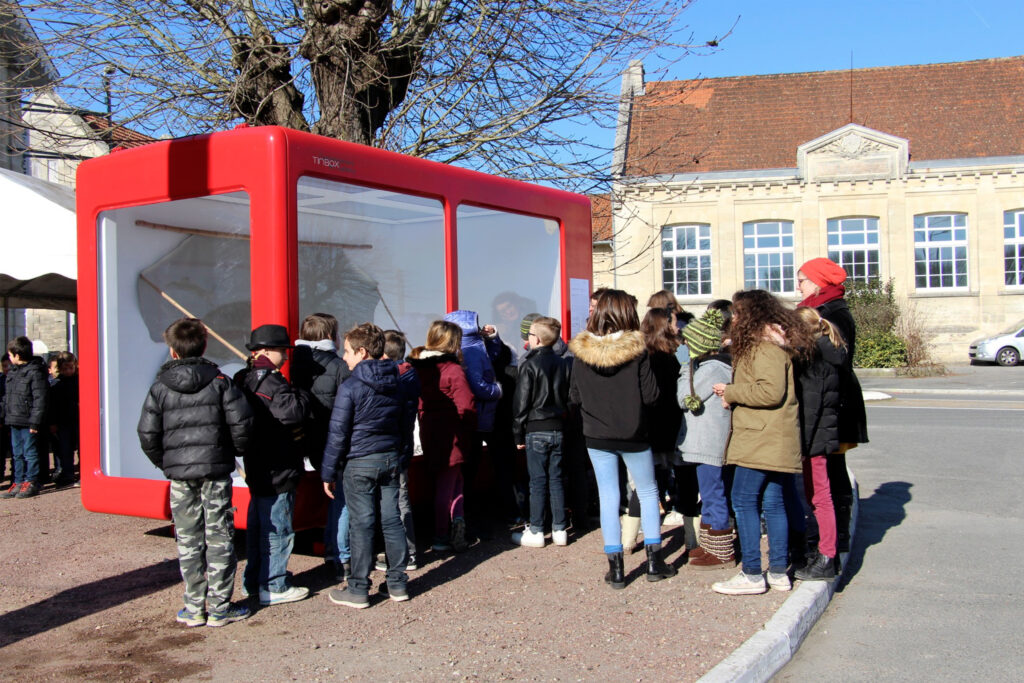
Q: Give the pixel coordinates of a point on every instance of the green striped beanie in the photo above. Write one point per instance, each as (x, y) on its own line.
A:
(705, 333)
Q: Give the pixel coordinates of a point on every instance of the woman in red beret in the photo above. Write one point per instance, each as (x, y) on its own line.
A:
(821, 283)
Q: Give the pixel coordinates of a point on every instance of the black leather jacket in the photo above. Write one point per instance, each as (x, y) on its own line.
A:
(542, 393)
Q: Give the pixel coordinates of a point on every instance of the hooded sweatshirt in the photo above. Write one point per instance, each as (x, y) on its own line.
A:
(614, 386)
(194, 421)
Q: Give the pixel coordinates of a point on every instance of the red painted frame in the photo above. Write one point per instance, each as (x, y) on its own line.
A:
(266, 163)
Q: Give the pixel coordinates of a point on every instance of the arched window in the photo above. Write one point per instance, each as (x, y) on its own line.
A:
(853, 244)
(768, 256)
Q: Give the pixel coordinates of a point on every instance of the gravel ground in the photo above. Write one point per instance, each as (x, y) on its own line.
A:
(86, 596)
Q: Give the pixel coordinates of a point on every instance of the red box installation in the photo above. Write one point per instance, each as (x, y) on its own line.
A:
(267, 225)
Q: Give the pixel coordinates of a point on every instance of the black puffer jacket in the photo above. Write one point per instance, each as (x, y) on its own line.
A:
(273, 462)
(25, 400)
(194, 421)
(817, 385)
(613, 384)
(853, 418)
(320, 372)
(541, 400)
(666, 416)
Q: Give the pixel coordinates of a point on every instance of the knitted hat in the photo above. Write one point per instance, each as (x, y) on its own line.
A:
(524, 327)
(705, 333)
(823, 272)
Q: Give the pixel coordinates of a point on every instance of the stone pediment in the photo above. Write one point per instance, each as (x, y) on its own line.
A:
(853, 152)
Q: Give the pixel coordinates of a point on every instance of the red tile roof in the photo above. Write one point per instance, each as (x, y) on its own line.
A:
(115, 135)
(601, 217)
(946, 111)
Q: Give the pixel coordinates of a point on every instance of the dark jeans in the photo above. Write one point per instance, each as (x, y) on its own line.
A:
(25, 454)
(544, 463)
(65, 445)
(366, 480)
(269, 539)
(754, 491)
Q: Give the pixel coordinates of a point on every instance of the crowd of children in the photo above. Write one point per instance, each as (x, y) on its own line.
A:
(710, 419)
(38, 416)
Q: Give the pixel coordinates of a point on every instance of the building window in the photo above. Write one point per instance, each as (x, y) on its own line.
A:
(686, 259)
(768, 256)
(1013, 247)
(853, 244)
(940, 251)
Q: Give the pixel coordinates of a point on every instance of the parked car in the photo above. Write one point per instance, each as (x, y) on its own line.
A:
(1005, 348)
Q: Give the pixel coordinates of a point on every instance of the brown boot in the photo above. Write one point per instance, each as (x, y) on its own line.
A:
(718, 552)
(701, 549)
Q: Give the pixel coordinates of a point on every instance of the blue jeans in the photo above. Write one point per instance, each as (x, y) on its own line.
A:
(336, 532)
(641, 468)
(544, 463)
(714, 507)
(269, 539)
(754, 491)
(366, 480)
(24, 455)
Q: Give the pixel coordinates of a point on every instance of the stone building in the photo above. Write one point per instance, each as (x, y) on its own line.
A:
(914, 173)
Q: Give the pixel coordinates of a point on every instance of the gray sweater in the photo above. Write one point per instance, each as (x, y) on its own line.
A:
(704, 435)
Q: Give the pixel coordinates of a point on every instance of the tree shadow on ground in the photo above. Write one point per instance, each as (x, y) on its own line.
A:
(883, 510)
(82, 601)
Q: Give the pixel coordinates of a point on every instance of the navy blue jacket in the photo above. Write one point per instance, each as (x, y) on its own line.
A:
(26, 396)
(367, 416)
(409, 383)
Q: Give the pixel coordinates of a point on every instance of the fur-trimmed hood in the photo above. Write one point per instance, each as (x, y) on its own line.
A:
(607, 353)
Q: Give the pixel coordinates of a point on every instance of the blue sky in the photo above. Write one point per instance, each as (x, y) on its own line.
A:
(801, 35)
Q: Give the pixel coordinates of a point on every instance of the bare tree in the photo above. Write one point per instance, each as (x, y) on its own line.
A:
(506, 86)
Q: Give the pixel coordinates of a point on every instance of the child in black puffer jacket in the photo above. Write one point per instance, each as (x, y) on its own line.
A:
(193, 423)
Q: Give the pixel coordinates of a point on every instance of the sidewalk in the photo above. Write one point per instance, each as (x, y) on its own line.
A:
(768, 650)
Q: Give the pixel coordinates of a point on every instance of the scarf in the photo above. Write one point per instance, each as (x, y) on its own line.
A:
(824, 295)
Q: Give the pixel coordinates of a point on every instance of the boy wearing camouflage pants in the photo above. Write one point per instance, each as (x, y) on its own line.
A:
(194, 421)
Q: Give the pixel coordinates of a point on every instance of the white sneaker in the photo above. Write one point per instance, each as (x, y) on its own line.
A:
(528, 538)
(780, 581)
(673, 518)
(560, 537)
(292, 594)
(741, 584)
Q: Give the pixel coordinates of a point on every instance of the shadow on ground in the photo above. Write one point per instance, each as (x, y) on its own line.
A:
(883, 510)
(81, 601)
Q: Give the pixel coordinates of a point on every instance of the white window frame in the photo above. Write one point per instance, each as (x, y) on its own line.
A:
(768, 245)
(855, 246)
(687, 260)
(939, 251)
(1013, 240)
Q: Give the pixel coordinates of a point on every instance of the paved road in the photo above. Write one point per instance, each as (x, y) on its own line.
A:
(938, 565)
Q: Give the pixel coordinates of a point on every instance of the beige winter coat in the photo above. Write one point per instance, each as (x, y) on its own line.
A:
(765, 416)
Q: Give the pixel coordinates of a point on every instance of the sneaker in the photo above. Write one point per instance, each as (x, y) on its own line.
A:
(28, 489)
(230, 615)
(381, 564)
(441, 545)
(560, 537)
(291, 594)
(63, 482)
(190, 618)
(673, 518)
(779, 581)
(741, 584)
(459, 542)
(11, 492)
(529, 538)
(346, 597)
(397, 594)
(411, 565)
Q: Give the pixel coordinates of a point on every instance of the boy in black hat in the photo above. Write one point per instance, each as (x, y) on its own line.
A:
(273, 465)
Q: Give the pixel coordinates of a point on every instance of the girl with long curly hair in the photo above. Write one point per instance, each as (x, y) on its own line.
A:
(765, 441)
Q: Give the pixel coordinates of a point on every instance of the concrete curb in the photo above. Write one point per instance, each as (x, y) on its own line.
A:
(768, 650)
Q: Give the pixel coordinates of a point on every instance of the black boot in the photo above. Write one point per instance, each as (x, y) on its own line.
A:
(798, 549)
(616, 574)
(843, 509)
(823, 568)
(657, 569)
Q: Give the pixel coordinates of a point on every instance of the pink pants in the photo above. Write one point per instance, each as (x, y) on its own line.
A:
(448, 499)
(820, 497)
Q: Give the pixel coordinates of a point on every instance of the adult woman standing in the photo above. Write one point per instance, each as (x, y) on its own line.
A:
(613, 384)
(821, 283)
(765, 441)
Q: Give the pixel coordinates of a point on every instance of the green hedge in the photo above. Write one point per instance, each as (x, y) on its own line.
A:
(880, 350)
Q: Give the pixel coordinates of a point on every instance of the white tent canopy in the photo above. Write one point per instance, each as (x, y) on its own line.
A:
(38, 255)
